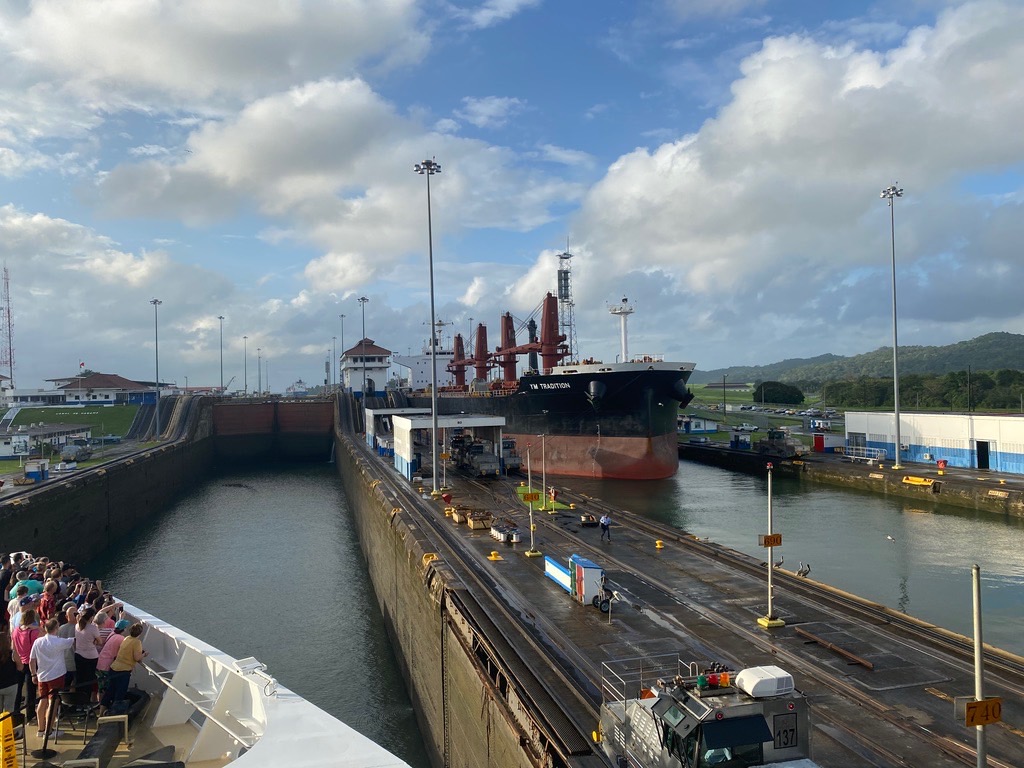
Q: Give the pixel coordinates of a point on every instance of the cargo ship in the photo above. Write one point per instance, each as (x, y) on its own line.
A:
(601, 420)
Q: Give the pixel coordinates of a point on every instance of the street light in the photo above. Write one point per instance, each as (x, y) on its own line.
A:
(532, 551)
(362, 303)
(889, 194)
(221, 318)
(156, 340)
(259, 370)
(340, 373)
(334, 363)
(428, 168)
(723, 397)
(770, 620)
(245, 364)
(543, 472)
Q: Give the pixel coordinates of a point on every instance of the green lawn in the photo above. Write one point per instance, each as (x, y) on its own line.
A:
(104, 419)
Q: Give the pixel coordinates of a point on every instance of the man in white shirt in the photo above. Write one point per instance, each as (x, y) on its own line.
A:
(46, 662)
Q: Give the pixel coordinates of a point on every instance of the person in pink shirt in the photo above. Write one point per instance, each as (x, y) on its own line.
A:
(108, 653)
(22, 639)
(87, 650)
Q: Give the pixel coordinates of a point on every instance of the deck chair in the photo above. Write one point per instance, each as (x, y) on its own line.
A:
(76, 707)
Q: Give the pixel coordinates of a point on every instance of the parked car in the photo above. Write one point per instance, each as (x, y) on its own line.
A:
(745, 427)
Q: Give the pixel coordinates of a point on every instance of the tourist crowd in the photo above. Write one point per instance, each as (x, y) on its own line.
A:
(60, 632)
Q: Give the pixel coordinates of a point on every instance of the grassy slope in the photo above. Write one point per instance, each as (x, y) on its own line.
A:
(104, 420)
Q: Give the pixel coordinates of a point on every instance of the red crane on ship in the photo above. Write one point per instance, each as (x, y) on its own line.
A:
(551, 347)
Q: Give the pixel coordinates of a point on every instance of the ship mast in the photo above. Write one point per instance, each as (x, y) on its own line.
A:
(623, 310)
(566, 320)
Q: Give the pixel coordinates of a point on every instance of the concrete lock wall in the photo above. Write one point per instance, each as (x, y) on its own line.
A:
(83, 514)
(432, 640)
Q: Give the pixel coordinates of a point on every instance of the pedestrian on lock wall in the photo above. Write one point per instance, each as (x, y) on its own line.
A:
(606, 527)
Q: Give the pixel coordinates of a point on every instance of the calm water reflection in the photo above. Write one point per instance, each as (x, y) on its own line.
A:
(266, 563)
(925, 570)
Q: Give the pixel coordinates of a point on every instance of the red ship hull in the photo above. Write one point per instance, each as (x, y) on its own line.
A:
(619, 458)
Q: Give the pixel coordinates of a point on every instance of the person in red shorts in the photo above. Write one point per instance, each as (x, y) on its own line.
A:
(46, 661)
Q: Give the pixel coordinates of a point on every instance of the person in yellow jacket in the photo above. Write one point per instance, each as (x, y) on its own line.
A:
(129, 654)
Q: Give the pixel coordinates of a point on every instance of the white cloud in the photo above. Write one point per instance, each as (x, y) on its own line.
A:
(774, 202)
(490, 111)
(196, 51)
(492, 12)
(565, 156)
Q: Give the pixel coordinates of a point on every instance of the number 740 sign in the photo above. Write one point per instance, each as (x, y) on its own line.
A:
(984, 712)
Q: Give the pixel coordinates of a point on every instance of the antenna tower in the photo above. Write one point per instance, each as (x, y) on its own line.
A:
(7, 328)
(566, 317)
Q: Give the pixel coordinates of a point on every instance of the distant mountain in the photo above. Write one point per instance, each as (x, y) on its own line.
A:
(991, 352)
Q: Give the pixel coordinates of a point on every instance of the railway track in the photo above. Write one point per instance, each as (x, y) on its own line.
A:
(575, 671)
(1007, 670)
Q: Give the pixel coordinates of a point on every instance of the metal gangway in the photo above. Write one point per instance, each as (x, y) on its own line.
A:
(857, 453)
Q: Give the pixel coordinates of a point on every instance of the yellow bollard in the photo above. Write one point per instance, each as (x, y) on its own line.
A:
(659, 544)
(494, 555)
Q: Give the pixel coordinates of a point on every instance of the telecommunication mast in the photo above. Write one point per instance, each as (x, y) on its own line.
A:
(566, 319)
(7, 329)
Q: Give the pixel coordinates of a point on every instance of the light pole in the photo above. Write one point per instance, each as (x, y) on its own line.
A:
(362, 345)
(334, 363)
(889, 194)
(221, 318)
(156, 341)
(543, 473)
(259, 370)
(245, 364)
(770, 620)
(532, 551)
(340, 373)
(428, 168)
(723, 398)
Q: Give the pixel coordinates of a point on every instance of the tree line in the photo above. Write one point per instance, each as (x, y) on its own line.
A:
(954, 391)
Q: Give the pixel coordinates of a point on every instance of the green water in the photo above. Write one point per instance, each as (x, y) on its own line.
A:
(266, 563)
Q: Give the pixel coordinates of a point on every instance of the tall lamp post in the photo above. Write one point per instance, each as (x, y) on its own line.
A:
(341, 375)
(428, 168)
(362, 345)
(245, 364)
(334, 363)
(889, 194)
(221, 318)
(723, 397)
(259, 370)
(156, 341)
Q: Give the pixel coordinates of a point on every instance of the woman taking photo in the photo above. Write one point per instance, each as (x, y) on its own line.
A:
(87, 651)
(128, 655)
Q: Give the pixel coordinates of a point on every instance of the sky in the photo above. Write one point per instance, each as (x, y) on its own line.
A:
(717, 162)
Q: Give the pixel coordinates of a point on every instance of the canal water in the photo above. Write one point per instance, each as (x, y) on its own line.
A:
(265, 562)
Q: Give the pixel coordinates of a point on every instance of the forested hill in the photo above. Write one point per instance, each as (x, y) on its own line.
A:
(991, 352)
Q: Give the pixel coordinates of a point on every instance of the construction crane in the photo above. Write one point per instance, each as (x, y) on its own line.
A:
(228, 385)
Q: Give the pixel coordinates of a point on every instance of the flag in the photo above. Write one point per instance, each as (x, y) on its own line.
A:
(81, 365)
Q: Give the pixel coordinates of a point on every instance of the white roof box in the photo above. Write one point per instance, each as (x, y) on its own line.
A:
(761, 682)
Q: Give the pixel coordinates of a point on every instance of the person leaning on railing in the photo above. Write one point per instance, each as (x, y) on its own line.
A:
(128, 655)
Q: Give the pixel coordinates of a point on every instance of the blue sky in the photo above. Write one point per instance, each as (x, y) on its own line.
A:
(716, 161)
